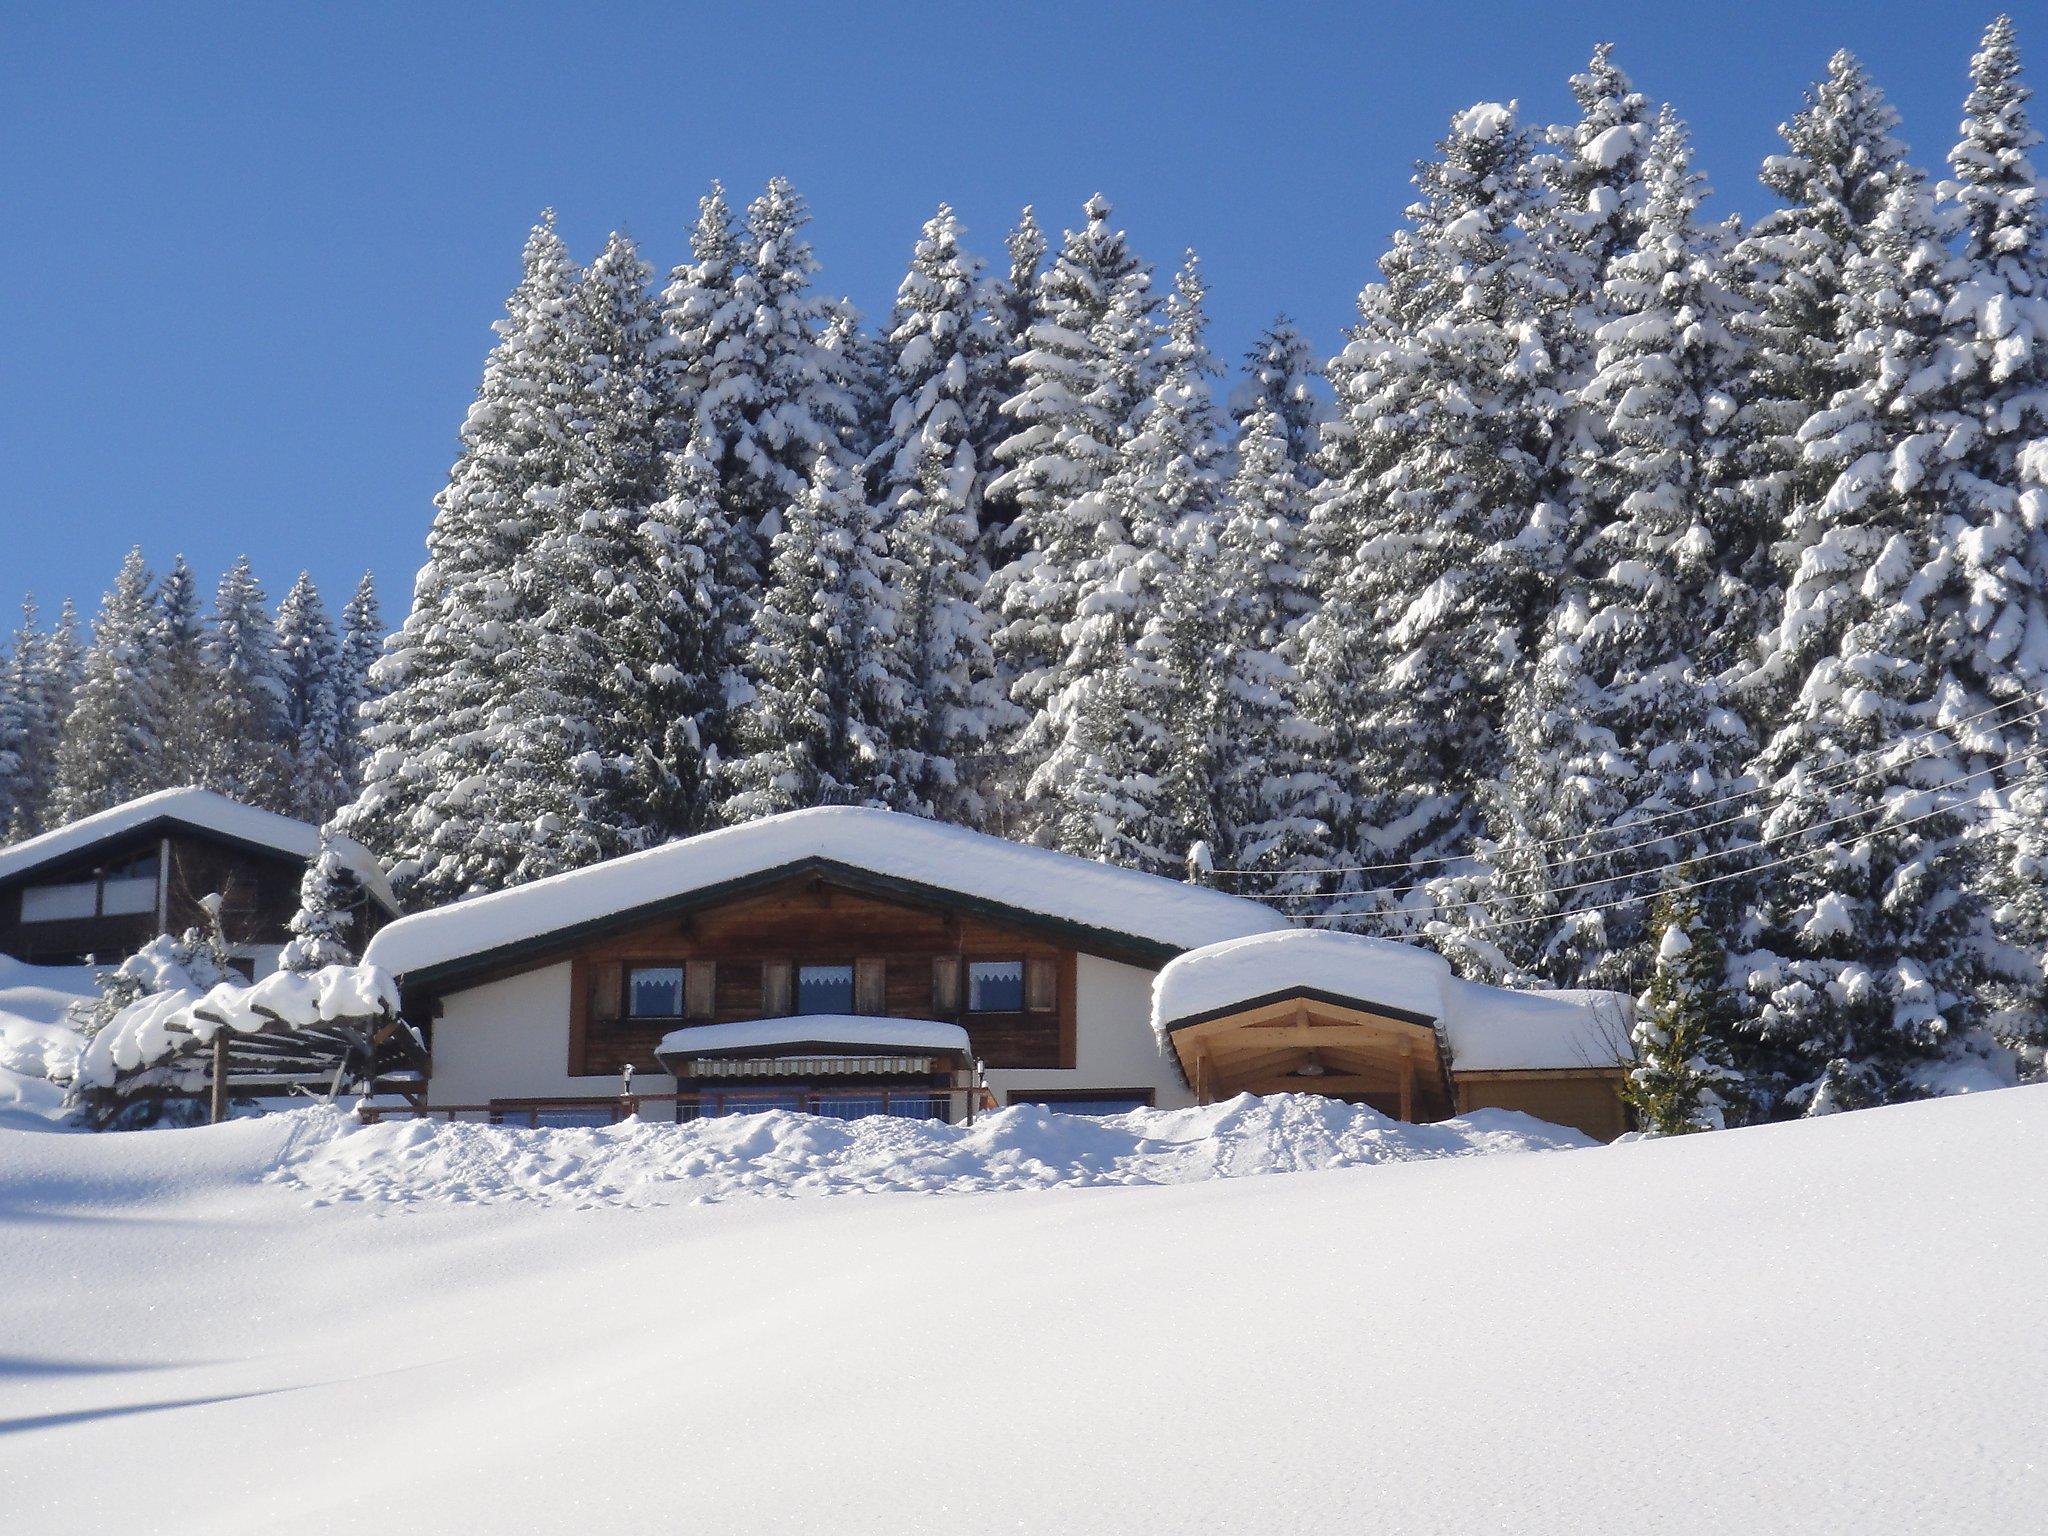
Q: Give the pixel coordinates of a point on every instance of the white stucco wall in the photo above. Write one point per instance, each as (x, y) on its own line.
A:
(1113, 1041)
(509, 1039)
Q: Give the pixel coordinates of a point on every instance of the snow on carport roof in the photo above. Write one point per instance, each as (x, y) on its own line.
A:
(1035, 881)
(1487, 1029)
(203, 810)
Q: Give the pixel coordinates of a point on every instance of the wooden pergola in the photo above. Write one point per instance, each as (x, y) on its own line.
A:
(1304, 1042)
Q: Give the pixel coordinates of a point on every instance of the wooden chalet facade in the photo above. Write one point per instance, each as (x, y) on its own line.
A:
(103, 886)
(839, 960)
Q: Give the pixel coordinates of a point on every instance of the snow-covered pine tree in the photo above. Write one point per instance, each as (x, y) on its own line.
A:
(700, 323)
(1619, 720)
(245, 706)
(1129, 777)
(112, 744)
(1266, 799)
(1431, 539)
(20, 685)
(864, 370)
(444, 689)
(814, 733)
(329, 897)
(1012, 304)
(362, 641)
(59, 669)
(1682, 1080)
(1842, 159)
(1281, 375)
(316, 744)
(580, 767)
(1870, 976)
(1998, 333)
(181, 675)
(701, 609)
(1085, 375)
(942, 365)
(773, 396)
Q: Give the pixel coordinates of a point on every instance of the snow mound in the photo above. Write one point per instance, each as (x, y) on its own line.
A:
(783, 1154)
(38, 1048)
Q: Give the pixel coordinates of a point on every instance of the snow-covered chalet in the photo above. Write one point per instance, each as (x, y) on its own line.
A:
(854, 961)
(103, 885)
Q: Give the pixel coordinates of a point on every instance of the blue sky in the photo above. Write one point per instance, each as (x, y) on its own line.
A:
(250, 254)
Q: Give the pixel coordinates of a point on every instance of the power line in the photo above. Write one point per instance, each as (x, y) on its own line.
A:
(1686, 885)
(1765, 841)
(1664, 816)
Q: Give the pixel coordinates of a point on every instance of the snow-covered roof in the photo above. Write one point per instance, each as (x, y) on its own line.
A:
(1119, 903)
(918, 1036)
(203, 810)
(1485, 1028)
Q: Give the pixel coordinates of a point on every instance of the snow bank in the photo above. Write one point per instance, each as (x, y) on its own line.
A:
(206, 811)
(1487, 1029)
(918, 1035)
(946, 858)
(782, 1154)
(1810, 1327)
(150, 1029)
(38, 1047)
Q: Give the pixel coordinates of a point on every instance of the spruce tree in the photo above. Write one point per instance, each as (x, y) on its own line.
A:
(245, 707)
(1869, 981)
(1281, 376)
(1842, 160)
(1682, 1080)
(1432, 543)
(362, 641)
(445, 693)
(60, 668)
(1619, 722)
(814, 732)
(1132, 720)
(316, 734)
(329, 897)
(111, 750)
(181, 675)
(1085, 374)
(20, 682)
(580, 766)
(1012, 304)
(942, 359)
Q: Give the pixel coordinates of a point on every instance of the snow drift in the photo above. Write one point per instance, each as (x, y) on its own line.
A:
(1820, 1326)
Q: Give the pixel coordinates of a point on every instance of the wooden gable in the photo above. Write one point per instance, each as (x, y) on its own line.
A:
(738, 958)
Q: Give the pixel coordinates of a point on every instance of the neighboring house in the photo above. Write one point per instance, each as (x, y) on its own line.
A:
(103, 886)
(849, 961)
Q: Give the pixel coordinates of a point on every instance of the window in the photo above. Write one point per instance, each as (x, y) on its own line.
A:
(55, 903)
(824, 989)
(654, 992)
(995, 986)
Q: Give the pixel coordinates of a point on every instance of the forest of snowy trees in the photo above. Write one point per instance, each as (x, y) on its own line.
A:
(1637, 599)
(260, 706)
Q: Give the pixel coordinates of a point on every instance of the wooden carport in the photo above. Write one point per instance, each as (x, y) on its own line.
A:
(1305, 1042)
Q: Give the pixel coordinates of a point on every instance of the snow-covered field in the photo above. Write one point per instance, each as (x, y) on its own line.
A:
(1825, 1326)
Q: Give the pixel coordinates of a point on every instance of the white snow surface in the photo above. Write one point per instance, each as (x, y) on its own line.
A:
(207, 811)
(949, 858)
(839, 1028)
(38, 1047)
(1487, 1029)
(1708, 1334)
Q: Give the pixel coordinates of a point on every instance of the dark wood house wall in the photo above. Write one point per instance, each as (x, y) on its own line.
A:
(909, 963)
(259, 892)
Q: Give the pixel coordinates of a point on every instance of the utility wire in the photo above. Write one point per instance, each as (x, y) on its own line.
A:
(1936, 747)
